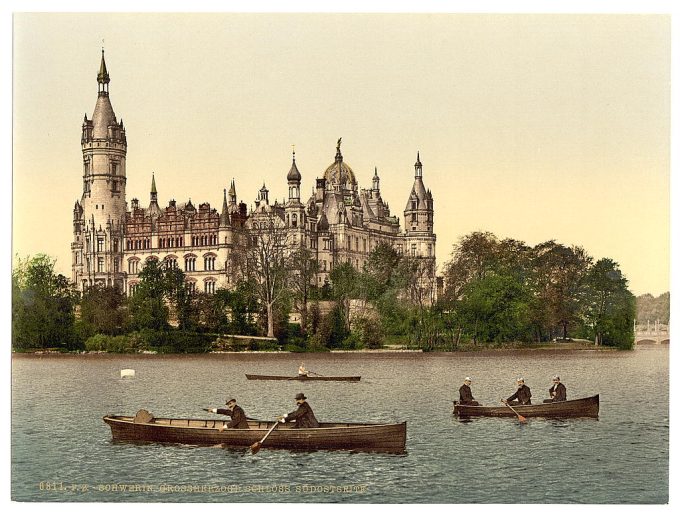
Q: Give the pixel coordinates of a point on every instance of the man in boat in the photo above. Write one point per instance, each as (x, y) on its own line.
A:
(303, 415)
(238, 416)
(465, 392)
(521, 397)
(558, 391)
(302, 371)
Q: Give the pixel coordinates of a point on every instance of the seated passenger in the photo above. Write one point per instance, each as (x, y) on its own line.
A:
(521, 397)
(558, 391)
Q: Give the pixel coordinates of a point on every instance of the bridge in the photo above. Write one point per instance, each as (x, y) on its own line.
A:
(653, 332)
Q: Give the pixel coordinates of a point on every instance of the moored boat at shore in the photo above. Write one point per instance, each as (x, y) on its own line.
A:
(365, 437)
(585, 407)
(303, 378)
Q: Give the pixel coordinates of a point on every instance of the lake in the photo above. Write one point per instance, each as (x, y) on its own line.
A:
(62, 450)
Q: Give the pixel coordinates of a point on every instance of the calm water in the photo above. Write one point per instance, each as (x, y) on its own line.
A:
(58, 435)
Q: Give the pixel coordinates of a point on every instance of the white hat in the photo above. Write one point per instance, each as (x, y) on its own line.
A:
(520, 379)
(468, 379)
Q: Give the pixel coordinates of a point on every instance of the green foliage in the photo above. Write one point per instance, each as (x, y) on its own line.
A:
(368, 332)
(653, 309)
(42, 306)
(611, 306)
(111, 344)
(103, 311)
(495, 308)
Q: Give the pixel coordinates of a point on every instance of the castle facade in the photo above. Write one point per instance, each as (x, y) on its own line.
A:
(339, 223)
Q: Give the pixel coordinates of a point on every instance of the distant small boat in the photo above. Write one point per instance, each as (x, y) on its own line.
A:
(303, 378)
(586, 407)
(127, 373)
(144, 427)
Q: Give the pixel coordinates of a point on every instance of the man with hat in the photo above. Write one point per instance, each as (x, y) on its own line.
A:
(465, 392)
(522, 396)
(558, 391)
(238, 416)
(303, 415)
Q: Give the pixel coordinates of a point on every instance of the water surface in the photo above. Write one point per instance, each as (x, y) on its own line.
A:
(62, 450)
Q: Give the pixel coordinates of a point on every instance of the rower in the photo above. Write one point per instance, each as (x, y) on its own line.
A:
(238, 416)
(465, 393)
(522, 396)
(302, 371)
(303, 415)
(558, 391)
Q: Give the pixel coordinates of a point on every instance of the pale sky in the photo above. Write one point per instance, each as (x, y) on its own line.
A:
(533, 127)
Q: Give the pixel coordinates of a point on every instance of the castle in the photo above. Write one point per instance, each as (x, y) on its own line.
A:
(338, 223)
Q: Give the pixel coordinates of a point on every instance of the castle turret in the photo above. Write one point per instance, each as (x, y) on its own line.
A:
(104, 148)
(419, 218)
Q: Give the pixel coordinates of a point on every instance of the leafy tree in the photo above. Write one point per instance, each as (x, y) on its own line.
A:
(103, 310)
(213, 309)
(495, 308)
(345, 287)
(611, 307)
(42, 305)
(473, 257)
(244, 303)
(653, 309)
(559, 283)
(148, 309)
(180, 298)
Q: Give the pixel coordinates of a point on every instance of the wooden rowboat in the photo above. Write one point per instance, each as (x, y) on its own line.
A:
(193, 431)
(303, 378)
(586, 407)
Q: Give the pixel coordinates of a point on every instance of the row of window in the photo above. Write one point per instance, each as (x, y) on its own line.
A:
(208, 287)
(209, 264)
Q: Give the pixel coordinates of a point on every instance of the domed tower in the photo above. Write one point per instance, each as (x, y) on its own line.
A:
(294, 209)
(100, 231)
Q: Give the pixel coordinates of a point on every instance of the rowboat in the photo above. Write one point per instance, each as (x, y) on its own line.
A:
(303, 378)
(144, 427)
(586, 407)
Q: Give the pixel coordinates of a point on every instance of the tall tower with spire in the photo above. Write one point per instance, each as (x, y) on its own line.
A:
(419, 217)
(99, 217)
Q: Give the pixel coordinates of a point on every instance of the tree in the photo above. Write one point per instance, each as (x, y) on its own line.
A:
(43, 305)
(304, 268)
(611, 307)
(179, 296)
(473, 258)
(103, 310)
(263, 261)
(493, 309)
(345, 287)
(148, 309)
(558, 283)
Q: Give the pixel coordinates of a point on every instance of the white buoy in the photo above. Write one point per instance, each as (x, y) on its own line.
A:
(127, 373)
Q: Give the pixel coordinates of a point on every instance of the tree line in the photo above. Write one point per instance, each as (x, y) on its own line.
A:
(494, 291)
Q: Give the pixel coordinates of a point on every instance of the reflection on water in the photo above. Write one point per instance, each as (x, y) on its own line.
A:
(58, 435)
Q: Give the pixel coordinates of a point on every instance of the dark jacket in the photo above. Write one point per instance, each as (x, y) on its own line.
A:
(558, 392)
(465, 394)
(522, 395)
(303, 416)
(238, 417)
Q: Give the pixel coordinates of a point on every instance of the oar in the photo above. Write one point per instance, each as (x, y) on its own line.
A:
(255, 448)
(522, 420)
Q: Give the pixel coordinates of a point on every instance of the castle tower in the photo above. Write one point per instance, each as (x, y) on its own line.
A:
(294, 178)
(419, 217)
(99, 233)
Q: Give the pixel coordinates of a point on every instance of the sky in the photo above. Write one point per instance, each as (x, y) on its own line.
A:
(532, 127)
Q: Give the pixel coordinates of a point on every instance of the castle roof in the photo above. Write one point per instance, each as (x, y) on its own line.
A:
(339, 172)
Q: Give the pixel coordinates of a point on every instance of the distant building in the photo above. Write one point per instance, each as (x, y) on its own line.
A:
(339, 222)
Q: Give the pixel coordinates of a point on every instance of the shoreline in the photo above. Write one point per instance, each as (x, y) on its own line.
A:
(396, 351)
